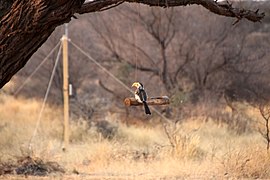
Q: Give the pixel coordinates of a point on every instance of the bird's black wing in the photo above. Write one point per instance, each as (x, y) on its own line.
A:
(143, 95)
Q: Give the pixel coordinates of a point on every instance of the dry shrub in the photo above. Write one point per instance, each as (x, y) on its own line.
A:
(239, 123)
(107, 129)
(82, 131)
(246, 163)
(30, 166)
(187, 146)
(184, 145)
(78, 131)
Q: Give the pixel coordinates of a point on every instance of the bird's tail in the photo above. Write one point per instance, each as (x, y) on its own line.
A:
(146, 108)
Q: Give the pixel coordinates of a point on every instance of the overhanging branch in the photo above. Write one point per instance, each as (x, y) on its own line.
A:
(98, 5)
(220, 8)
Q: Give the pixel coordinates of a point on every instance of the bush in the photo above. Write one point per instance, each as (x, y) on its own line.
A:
(183, 145)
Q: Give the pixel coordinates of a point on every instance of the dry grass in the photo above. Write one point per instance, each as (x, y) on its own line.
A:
(192, 149)
(246, 163)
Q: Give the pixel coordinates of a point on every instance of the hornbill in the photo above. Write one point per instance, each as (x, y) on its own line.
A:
(141, 96)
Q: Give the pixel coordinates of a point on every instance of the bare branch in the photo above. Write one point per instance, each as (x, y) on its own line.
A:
(139, 49)
(98, 5)
(265, 113)
(112, 6)
(145, 69)
(115, 93)
(220, 8)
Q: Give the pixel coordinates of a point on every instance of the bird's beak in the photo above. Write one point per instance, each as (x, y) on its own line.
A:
(134, 85)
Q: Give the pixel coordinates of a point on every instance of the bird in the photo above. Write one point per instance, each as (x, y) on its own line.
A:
(141, 96)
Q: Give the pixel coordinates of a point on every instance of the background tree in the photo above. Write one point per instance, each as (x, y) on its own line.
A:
(207, 59)
(26, 25)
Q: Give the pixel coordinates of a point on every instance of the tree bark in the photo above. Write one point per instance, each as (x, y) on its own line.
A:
(26, 24)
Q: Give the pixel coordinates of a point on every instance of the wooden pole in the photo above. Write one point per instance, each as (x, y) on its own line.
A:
(65, 90)
(162, 100)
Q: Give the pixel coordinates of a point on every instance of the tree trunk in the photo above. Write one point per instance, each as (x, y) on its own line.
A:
(26, 24)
